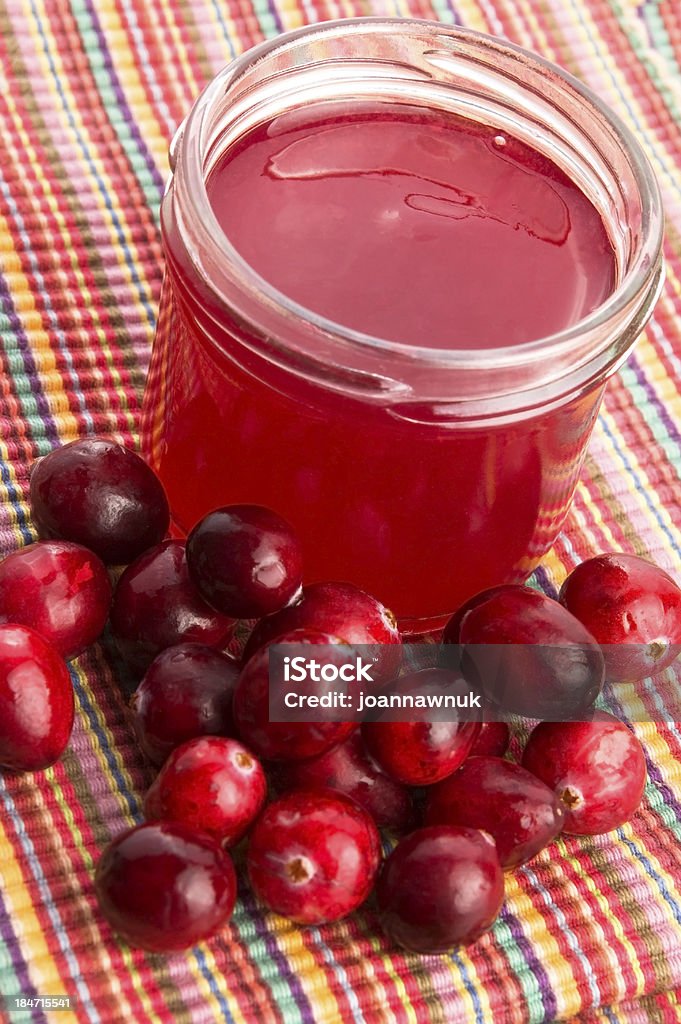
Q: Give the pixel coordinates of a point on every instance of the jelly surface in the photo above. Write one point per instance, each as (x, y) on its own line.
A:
(413, 225)
(423, 229)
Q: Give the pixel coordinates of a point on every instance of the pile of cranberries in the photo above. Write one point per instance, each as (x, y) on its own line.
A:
(313, 851)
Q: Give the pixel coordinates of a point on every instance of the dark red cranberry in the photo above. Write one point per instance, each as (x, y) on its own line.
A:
(60, 589)
(422, 752)
(36, 701)
(451, 634)
(99, 494)
(313, 856)
(344, 611)
(188, 691)
(349, 769)
(165, 886)
(597, 769)
(246, 560)
(632, 608)
(529, 655)
(210, 783)
(156, 606)
(520, 813)
(441, 887)
(289, 740)
(492, 741)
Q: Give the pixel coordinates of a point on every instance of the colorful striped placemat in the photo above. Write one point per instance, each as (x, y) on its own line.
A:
(90, 94)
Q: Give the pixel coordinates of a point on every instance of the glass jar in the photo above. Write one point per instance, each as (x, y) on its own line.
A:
(423, 475)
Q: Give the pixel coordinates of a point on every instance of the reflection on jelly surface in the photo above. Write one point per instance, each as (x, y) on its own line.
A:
(413, 225)
(419, 230)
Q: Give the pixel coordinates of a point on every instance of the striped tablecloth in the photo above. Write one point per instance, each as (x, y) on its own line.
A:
(90, 94)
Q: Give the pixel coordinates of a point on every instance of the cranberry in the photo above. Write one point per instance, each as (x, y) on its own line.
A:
(349, 770)
(246, 560)
(520, 813)
(343, 610)
(165, 886)
(211, 783)
(492, 741)
(187, 691)
(36, 700)
(286, 741)
(60, 589)
(451, 634)
(597, 769)
(156, 606)
(530, 655)
(632, 608)
(441, 887)
(99, 494)
(420, 753)
(313, 856)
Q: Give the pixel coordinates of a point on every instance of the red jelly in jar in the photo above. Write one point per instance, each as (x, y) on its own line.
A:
(402, 261)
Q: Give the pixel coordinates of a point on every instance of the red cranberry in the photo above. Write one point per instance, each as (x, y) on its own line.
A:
(530, 655)
(313, 856)
(631, 607)
(156, 606)
(165, 886)
(210, 783)
(441, 887)
(99, 494)
(187, 691)
(285, 741)
(420, 753)
(36, 701)
(246, 560)
(349, 770)
(451, 634)
(597, 769)
(343, 610)
(60, 589)
(520, 813)
(492, 741)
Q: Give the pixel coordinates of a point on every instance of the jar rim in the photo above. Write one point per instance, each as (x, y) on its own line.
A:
(639, 284)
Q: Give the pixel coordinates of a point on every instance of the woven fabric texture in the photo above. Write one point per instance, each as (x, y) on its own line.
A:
(91, 92)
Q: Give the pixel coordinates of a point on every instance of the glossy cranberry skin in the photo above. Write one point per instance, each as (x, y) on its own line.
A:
(211, 783)
(349, 769)
(492, 741)
(440, 888)
(421, 753)
(60, 589)
(286, 741)
(36, 701)
(343, 610)
(313, 856)
(597, 769)
(188, 691)
(520, 812)
(156, 606)
(245, 560)
(165, 887)
(99, 494)
(630, 606)
(529, 655)
(451, 634)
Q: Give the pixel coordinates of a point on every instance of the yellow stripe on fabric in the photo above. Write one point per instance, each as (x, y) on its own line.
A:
(481, 989)
(605, 909)
(615, 85)
(197, 975)
(34, 322)
(89, 143)
(124, 949)
(596, 513)
(28, 929)
(473, 15)
(557, 968)
(310, 974)
(191, 86)
(636, 469)
(41, 350)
